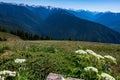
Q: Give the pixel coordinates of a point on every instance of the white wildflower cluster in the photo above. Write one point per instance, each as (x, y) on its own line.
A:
(81, 52)
(20, 60)
(99, 56)
(111, 58)
(104, 76)
(94, 54)
(91, 69)
(89, 52)
(107, 76)
(2, 78)
(7, 72)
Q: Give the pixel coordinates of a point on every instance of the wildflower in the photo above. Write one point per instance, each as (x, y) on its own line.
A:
(99, 56)
(111, 58)
(91, 69)
(2, 78)
(91, 52)
(94, 54)
(19, 60)
(10, 73)
(81, 52)
(107, 76)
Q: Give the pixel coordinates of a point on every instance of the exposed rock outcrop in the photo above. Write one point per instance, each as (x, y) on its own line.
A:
(54, 76)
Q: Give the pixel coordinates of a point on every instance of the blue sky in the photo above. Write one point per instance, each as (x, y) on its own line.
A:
(93, 5)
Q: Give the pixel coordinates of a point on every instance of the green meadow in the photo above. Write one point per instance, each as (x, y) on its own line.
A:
(44, 57)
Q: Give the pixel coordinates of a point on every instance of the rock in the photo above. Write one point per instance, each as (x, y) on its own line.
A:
(6, 54)
(53, 76)
(73, 79)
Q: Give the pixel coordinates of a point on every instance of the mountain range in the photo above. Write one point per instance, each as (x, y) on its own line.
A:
(60, 23)
(109, 19)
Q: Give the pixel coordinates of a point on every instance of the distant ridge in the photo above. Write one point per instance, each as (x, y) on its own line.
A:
(109, 19)
(54, 22)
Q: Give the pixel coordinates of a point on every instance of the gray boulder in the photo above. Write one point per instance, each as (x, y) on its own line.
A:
(53, 76)
(73, 79)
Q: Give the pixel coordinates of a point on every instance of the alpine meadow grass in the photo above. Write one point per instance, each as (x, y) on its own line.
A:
(34, 60)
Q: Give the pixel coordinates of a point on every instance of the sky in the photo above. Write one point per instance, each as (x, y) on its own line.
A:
(92, 5)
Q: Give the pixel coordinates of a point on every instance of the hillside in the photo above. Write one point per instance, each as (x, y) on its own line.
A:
(9, 37)
(44, 57)
(109, 19)
(19, 17)
(62, 25)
